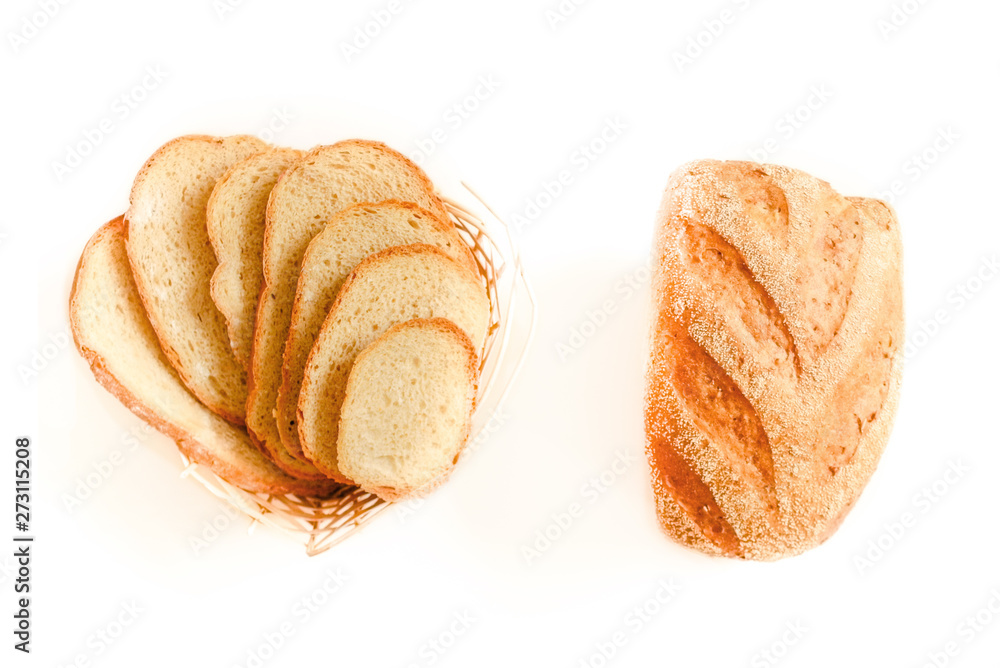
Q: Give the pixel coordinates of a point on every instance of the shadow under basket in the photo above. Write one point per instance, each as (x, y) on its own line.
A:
(322, 523)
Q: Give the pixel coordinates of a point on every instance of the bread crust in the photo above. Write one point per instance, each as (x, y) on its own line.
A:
(292, 367)
(361, 270)
(196, 388)
(776, 354)
(224, 274)
(262, 394)
(224, 253)
(253, 477)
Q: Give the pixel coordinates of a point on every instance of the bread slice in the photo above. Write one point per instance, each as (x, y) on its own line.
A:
(235, 217)
(114, 335)
(390, 287)
(235, 220)
(326, 181)
(408, 408)
(348, 238)
(172, 260)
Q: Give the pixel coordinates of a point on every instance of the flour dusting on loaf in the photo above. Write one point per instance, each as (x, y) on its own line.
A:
(775, 356)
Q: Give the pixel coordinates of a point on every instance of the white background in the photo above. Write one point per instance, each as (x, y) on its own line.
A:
(568, 417)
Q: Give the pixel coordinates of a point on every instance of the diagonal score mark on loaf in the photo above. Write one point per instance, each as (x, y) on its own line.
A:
(704, 412)
(727, 190)
(827, 265)
(798, 238)
(868, 381)
(779, 298)
(718, 275)
(805, 247)
(674, 475)
(721, 276)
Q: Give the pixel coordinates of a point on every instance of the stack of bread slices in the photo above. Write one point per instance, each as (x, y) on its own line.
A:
(296, 321)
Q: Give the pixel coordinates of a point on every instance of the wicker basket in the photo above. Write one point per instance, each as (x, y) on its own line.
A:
(322, 523)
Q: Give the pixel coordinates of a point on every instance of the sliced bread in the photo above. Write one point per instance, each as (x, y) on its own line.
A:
(395, 285)
(235, 220)
(407, 409)
(114, 335)
(347, 239)
(326, 181)
(173, 263)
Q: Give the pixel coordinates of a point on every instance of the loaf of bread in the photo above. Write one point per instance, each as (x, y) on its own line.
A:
(408, 408)
(114, 335)
(326, 181)
(775, 356)
(173, 263)
(390, 287)
(235, 220)
(347, 239)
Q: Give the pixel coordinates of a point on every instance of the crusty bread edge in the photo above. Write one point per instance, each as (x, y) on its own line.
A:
(410, 249)
(167, 350)
(253, 391)
(215, 242)
(185, 442)
(294, 448)
(414, 167)
(260, 443)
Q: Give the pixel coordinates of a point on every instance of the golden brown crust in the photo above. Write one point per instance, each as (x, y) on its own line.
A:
(286, 407)
(253, 478)
(440, 208)
(224, 272)
(776, 356)
(346, 288)
(175, 360)
(441, 222)
(261, 399)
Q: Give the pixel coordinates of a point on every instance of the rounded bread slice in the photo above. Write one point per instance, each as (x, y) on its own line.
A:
(113, 334)
(390, 287)
(408, 409)
(347, 239)
(235, 220)
(173, 263)
(323, 183)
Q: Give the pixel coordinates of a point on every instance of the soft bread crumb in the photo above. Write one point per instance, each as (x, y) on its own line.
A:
(235, 220)
(173, 263)
(326, 181)
(347, 239)
(407, 408)
(395, 285)
(114, 335)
